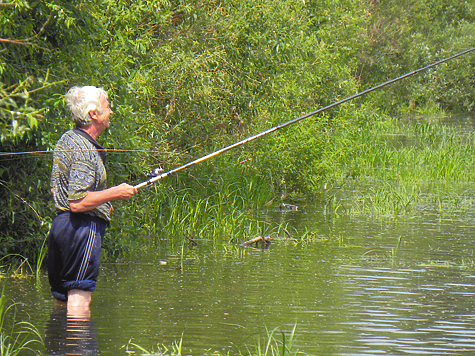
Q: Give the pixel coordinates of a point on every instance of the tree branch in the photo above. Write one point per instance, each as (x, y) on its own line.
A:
(18, 42)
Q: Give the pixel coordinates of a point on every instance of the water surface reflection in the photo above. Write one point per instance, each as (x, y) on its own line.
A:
(70, 333)
(391, 286)
(416, 311)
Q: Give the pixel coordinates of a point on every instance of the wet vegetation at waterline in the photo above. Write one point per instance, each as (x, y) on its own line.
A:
(20, 337)
(276, 343)
(381, 167)
(394, 167)
(16, 336)
(402, 167)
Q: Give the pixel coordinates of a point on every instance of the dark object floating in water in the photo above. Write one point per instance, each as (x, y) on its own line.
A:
(258, 242)
(288, 207)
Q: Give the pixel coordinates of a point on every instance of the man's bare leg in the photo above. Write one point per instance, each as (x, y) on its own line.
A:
(78, 304)
(79, 298)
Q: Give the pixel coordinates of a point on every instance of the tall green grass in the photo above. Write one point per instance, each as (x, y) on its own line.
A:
(16, 337)
(400, 167)
(39, 261)
(223, 205)
(385, 167)
(276, 344)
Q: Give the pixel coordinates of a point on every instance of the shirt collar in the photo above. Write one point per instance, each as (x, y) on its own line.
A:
(101, 150)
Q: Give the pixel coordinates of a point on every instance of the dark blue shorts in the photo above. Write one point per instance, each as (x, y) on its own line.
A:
(74, 252)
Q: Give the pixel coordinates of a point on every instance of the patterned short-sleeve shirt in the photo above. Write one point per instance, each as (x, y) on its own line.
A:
(77, 169)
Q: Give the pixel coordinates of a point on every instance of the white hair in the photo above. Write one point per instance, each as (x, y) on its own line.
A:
(82, 100)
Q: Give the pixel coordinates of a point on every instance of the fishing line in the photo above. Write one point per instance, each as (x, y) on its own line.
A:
(109, 150)
(293, 121)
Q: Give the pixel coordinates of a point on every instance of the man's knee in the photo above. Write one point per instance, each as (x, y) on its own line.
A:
(79, 298)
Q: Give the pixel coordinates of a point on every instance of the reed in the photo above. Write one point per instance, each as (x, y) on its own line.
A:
(39, 261)
(174, 350)
(393, 166)
(16, 336)
(225, 205)
(276, 346)
(387, 199)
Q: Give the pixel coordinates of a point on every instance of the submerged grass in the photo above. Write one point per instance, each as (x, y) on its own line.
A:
(162, 350)
(17, 266)
(274, 345)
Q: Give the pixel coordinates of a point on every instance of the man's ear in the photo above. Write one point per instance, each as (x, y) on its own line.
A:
(93, 115)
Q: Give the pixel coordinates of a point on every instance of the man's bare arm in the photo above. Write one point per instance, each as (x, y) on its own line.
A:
(92, 200)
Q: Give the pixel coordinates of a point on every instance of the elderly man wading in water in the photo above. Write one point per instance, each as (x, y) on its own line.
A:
(78, 182)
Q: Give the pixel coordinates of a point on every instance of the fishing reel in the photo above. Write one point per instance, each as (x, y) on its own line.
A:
(155, 172)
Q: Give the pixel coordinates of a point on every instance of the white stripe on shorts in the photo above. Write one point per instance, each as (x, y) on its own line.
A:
(87, 254)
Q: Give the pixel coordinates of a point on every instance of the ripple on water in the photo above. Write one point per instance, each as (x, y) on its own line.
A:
(410, 322)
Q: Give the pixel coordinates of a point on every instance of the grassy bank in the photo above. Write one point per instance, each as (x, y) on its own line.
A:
(377, 165)
(404, 166)
(380, 167)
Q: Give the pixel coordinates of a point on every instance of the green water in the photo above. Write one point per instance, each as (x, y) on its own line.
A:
(388, 286)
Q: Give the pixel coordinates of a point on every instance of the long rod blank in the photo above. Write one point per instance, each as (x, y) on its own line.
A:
(293, 121)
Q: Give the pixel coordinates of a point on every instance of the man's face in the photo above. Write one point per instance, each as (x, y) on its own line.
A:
(103, 119)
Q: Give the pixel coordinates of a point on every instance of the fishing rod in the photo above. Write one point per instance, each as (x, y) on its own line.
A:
(161, 174)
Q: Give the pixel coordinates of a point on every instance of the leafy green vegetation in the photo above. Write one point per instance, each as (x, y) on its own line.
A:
(186, 79)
